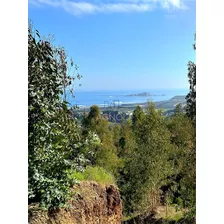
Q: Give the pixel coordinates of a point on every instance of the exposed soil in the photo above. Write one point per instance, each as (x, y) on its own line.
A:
(91, 204)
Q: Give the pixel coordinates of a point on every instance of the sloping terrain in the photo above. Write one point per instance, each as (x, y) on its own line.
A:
(91, 204)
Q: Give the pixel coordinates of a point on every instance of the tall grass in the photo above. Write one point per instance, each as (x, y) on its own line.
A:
(97, 174)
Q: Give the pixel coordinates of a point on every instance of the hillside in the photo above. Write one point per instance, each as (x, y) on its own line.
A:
(91, 204)
(126, 110)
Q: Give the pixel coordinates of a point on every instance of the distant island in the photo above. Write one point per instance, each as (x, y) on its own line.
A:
(144, 94)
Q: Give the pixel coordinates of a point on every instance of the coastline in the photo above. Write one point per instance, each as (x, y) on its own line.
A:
(163, 104)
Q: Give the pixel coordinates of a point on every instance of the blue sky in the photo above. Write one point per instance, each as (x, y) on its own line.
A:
(122, 44)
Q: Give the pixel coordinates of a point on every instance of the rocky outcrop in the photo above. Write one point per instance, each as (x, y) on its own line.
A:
(91, 204)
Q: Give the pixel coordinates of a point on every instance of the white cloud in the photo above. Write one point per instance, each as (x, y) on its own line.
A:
(34, 2)
(78, 8)
(171, 4)
(110, 6)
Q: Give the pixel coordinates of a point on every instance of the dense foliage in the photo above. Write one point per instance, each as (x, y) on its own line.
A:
(150, 157)
(56, 146)
(189, 180)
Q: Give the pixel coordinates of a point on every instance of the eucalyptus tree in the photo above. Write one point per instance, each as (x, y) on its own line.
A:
(55, 145)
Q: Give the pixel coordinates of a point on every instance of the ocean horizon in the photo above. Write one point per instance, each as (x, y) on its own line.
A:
(102, 97)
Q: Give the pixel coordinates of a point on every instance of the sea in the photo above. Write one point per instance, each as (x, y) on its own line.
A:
(84, 99)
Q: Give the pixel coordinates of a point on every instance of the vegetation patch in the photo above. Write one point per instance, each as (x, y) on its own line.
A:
(97, 174)
(169, 213)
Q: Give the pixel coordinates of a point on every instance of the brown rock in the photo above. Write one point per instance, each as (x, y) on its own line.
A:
(91, 204)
